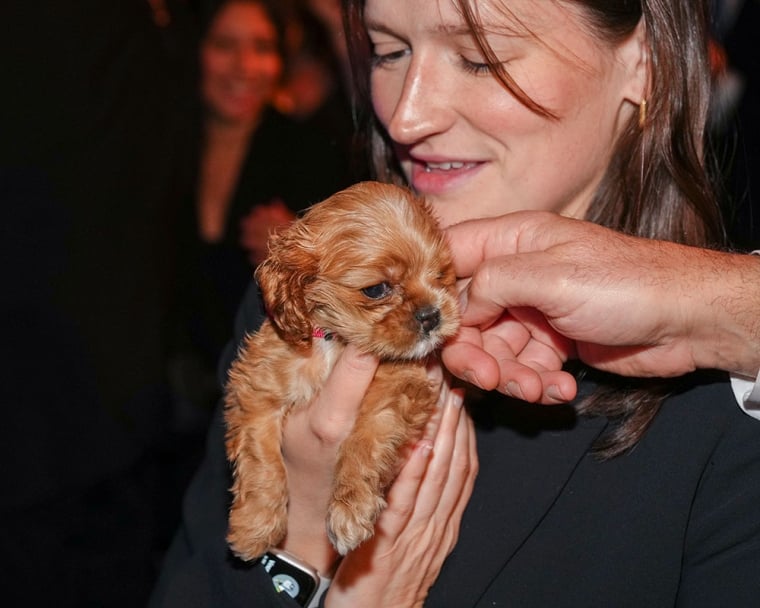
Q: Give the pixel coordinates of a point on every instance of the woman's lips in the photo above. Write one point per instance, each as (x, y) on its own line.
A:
(434, 177)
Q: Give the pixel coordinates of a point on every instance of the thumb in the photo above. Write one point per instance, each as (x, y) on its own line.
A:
(334, 411)
(474, 241)
(522, 280)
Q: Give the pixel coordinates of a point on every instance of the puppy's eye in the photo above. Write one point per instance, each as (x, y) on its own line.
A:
(375, 292)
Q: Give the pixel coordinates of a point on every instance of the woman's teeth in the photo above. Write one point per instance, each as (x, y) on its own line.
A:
(446, 166)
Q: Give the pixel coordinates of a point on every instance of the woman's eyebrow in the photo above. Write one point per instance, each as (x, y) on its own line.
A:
(443, 28)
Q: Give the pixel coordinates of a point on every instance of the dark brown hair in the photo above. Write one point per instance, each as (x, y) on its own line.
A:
(656, 185)
(278, 12)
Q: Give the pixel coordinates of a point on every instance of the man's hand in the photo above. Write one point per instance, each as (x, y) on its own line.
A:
(539, 289)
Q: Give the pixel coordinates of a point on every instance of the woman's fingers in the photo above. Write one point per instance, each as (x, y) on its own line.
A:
(417, 530)
(465, 466)
(402, 495)
(431, 482)
(444, 448)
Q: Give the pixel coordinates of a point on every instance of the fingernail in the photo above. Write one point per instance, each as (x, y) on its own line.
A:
(463, 296)
(434, 373)
(425, 447)
(456, 397)
(513, 390)
(469, 376)
(553, 392)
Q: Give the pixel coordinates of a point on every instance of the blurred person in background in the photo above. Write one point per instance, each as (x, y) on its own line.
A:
(314, 90)
(256, 168)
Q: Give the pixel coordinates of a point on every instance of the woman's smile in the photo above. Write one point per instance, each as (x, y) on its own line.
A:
(437, 175)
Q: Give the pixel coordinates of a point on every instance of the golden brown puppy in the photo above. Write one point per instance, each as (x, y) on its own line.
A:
(367, 266)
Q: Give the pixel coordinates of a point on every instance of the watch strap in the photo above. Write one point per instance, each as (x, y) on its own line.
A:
(316, 599)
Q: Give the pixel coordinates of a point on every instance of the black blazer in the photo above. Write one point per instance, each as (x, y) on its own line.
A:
(675, 522)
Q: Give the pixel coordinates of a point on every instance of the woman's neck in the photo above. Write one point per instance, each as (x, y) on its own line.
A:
(226, 132)
(224, 150)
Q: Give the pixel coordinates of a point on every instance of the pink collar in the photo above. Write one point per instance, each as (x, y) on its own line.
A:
(319, 332)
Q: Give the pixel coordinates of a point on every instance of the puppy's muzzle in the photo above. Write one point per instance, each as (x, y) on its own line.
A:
(428, 317)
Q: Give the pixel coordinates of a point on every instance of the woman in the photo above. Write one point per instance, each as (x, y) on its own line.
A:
(256, 170)
(649, 496)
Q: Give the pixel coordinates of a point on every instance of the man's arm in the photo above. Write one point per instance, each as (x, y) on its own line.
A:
(541, 288)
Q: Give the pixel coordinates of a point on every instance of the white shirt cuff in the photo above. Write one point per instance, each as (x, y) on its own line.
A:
(747, 394)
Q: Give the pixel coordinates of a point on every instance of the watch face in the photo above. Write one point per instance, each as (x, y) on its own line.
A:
(289, 578)
(288, 584)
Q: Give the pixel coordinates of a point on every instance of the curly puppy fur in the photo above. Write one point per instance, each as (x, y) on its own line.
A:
(369, 267)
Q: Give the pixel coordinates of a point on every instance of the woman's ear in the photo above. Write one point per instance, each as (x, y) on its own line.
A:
(633, 53)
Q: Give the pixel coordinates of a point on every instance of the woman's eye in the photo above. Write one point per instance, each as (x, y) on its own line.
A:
(222, 44)
(375, 292)
(475, 67)
(264, 47)
(380, 59)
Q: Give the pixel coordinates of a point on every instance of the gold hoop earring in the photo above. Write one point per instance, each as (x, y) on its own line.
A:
(642, 113)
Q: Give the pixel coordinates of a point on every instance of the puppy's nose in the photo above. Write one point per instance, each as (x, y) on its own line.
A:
(428, 317)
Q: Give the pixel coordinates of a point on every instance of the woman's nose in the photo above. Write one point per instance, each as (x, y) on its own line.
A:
(424, 106)
(248, 60)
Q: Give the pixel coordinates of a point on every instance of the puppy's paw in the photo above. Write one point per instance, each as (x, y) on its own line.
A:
(252, 531)
(351, 522)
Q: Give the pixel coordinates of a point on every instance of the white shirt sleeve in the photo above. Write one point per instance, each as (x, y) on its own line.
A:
(747, 394)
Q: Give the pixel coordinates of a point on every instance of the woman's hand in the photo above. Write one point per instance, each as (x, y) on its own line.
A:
(420, 526)
(311, 438)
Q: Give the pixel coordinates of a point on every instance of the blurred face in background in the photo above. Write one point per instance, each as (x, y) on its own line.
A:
(241, 64)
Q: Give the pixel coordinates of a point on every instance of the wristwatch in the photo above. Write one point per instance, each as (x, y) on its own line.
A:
(295, 577)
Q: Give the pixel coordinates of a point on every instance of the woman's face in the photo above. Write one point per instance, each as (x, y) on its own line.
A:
(240, 62)
(468, 144)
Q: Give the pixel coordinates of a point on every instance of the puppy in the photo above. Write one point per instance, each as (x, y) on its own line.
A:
(368, 266)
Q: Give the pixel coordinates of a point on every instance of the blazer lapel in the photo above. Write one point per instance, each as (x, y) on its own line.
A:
(527, 454)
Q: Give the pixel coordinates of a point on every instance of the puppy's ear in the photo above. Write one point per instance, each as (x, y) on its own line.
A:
(283, 278)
